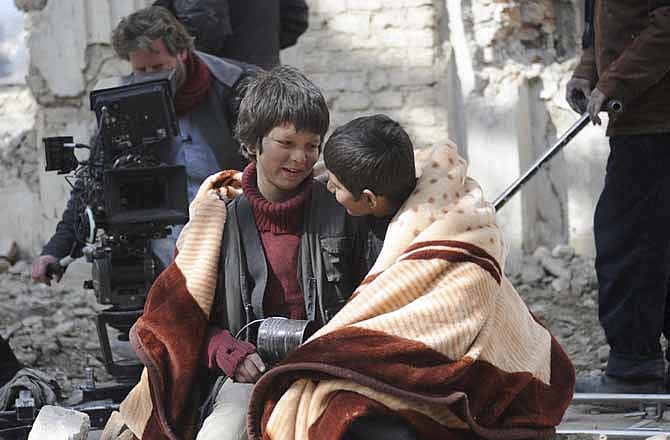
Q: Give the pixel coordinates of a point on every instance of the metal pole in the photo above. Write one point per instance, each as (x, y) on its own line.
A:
(611, 398)
(546, 156)
(612, 106)
(623, 433)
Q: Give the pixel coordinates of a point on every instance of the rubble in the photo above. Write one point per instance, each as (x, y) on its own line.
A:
(560, 288)
(50, 328)
(57, 423)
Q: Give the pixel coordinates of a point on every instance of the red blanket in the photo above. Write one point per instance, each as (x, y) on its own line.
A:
(169, 336)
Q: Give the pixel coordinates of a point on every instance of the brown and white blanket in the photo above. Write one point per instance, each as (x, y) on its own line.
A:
(435, 334)
(169, 336)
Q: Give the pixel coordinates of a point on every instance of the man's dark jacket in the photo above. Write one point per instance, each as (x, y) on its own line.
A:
(627, 57)
(215, 118)
(252, 31)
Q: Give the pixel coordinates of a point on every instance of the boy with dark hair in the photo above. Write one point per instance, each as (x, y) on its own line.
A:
(370, 163)
(434, 319)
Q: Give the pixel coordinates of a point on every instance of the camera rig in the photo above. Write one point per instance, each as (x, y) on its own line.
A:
(124, 195)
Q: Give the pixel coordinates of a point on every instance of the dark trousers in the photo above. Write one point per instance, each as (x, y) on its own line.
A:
(9, 365)
(632, 237)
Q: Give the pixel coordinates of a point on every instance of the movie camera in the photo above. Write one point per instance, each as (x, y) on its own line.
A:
(125, 194)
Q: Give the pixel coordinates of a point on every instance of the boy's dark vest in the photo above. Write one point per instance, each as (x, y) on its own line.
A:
(331, 245)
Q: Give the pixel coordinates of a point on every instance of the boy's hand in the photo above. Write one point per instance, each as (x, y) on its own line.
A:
(250, 369)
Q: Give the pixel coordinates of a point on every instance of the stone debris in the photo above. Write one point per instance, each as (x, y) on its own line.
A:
(51, 329)
(560, 288)
(57, 423)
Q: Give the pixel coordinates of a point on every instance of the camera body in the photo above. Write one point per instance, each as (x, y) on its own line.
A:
(126, 193)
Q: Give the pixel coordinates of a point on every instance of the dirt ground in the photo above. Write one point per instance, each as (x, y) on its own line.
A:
(53, 328)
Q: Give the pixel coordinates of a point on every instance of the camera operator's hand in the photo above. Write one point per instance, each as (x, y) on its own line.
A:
(45, 267)
(250, 369)
(577, 93)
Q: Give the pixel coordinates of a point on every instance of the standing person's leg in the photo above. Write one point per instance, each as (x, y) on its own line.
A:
(228, 420)
(9, 365)
(632, 236)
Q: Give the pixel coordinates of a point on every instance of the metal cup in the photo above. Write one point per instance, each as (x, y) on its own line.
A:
(278, 337)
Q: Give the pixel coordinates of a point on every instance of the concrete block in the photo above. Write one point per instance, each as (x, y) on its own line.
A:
(429, 136)
(378, 79)
(351, 23)
(317, 62)
(57, 423)
(421, 17)
(412, 77)
(394, 57)
(353, 60)
(331, 41)
(352, 101)
(422, 116)
(422, 57)
(371, 41)
(397, 37)
(388, 18)
(422, 97)
(329, 7)
(347, 81)
(364, 5)
(387, 99)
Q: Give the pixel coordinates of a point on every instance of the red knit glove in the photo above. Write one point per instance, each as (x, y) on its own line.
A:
(226, 352)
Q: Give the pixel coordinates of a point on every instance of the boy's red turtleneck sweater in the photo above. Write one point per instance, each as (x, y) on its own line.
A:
(280, 225)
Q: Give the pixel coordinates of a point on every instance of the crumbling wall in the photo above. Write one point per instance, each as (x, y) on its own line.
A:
(488, 74)
(19, 177)
(513, 59)
(70, 51)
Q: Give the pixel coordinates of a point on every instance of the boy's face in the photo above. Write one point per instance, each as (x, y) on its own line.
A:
(345, 198)
(285, 161)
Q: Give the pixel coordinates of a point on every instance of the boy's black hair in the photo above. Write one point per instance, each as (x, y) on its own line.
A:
(275, 97)
(375, 153)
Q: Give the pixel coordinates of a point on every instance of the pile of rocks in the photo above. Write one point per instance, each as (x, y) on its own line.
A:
(560, 288)
(50, 328)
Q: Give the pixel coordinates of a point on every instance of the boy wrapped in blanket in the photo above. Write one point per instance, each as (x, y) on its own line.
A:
(435, 335)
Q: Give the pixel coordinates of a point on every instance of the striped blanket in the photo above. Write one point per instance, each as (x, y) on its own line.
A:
(169, 336)
(435, 334)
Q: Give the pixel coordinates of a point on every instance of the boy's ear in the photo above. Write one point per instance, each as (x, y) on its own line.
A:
(371, 199)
